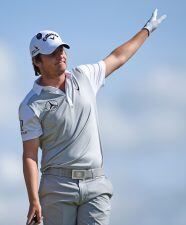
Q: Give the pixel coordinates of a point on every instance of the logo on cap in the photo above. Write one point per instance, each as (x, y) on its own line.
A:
(36, 49)
(51, 36)
(39, 36)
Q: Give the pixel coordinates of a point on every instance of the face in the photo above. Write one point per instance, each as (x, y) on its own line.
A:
(53, 65)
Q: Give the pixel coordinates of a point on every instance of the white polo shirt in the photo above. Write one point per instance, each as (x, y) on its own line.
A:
(66, 123)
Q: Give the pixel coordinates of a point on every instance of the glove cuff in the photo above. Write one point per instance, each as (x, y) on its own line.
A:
(145, 28)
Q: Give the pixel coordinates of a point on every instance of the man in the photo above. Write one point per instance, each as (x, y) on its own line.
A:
(59, 115)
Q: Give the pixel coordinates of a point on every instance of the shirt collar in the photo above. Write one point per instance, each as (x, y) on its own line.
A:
(38, 88)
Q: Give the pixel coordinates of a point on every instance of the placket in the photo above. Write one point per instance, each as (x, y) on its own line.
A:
(69, 90)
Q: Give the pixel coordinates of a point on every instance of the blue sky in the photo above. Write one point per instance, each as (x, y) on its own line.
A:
(142, 106)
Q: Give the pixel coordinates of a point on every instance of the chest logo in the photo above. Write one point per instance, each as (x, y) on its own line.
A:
(51, 105)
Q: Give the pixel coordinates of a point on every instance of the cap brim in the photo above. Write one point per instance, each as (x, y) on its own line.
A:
(66, 46)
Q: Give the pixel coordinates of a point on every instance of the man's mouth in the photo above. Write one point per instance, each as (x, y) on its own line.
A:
(61, 61)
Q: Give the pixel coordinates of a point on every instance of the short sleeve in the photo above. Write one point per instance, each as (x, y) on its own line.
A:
(30, 125)
(95, 73)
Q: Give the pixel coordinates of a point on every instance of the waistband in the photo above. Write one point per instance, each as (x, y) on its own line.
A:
(79, 174)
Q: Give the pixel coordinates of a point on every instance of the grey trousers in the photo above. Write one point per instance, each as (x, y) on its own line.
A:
(65, 201)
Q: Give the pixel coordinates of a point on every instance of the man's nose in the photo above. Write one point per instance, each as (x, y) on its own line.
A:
(60, 52)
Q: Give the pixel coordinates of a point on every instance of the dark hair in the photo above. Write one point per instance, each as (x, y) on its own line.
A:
(37, 58)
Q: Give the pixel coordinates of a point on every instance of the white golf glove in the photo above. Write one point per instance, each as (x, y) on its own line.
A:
(153, 22)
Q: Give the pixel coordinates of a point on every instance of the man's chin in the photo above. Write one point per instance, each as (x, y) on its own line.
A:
(61, 70)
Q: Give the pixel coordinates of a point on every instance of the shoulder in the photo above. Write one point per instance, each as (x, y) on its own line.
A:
(24, 108)
(94, 74)
(90, 68)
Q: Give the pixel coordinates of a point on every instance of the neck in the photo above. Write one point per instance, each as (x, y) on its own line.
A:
(58, 82)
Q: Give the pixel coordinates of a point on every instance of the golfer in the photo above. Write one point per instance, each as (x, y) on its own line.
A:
(59, 115)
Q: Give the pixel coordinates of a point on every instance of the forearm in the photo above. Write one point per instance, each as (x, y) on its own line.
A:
(30, 170)
(124, 52)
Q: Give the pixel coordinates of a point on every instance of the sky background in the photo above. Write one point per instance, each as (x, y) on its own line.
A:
(142, 106)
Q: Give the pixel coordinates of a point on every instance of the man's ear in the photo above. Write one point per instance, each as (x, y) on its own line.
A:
(35, 61)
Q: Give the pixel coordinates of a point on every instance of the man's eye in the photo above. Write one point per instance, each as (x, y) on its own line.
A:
(60, 49)
(53, 53)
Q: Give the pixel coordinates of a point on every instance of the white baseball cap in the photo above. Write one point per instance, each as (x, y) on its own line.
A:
(45, 42)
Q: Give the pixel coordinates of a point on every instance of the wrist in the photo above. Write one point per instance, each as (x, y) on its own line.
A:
(146, 29)
(34, 201)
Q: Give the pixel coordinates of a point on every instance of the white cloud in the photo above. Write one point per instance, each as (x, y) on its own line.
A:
(117, 127)
(14, 200)
(11, 168)
(122, 129)
(8, 97)
(7, 67)
(13, 191)
(162, 126)
(14, 209)
(162, 85)
(168, 83)
(158, 116)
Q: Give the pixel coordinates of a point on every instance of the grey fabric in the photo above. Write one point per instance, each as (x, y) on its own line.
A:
(75, 174)
(75, 202)
(76, 140)
(95, 212)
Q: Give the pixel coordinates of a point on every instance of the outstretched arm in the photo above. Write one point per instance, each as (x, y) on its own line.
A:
(123, 53)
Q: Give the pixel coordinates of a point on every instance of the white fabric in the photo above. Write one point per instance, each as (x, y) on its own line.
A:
(69, 89)
(95, 73)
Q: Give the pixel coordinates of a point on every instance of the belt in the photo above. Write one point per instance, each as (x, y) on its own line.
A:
(75, 174)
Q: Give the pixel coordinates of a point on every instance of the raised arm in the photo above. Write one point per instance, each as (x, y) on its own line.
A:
(123, 53)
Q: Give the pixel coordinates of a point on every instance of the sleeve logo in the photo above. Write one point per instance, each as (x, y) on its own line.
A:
(21, 127)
